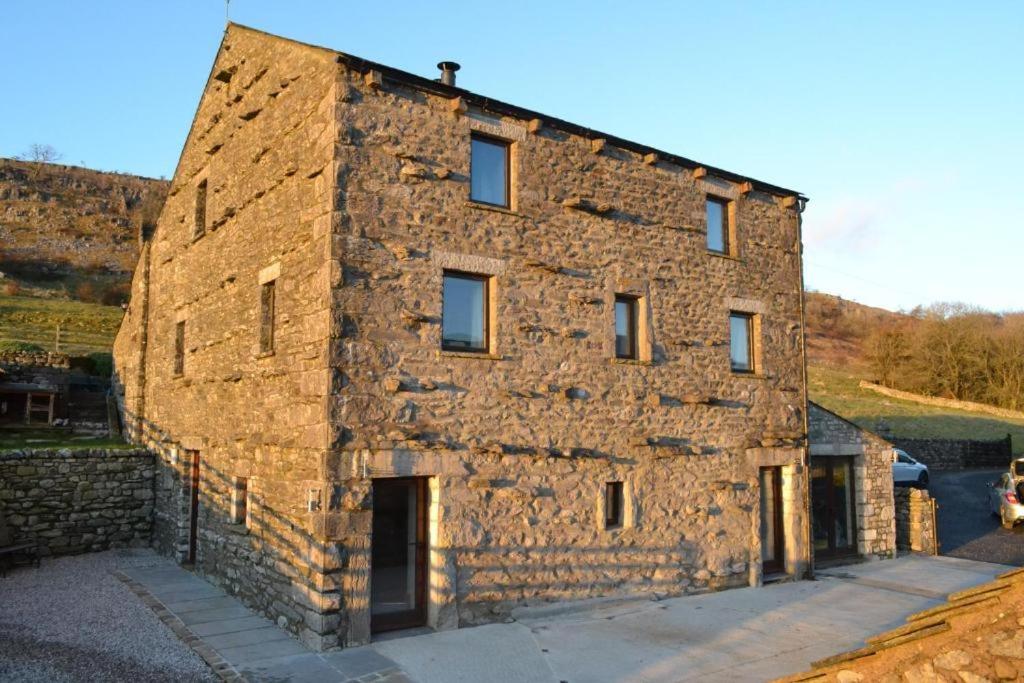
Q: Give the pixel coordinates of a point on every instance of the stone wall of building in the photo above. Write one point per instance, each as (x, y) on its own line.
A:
(81, 500)
(830, 435)
(958, 454)
(916, 528)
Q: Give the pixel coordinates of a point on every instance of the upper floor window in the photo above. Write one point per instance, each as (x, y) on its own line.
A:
(741, 342)
(625, 326)
(717, 213)
(489, 171)
(613, 504)
(464, 312)
(199, 227)
(267, 295)
(179, 348)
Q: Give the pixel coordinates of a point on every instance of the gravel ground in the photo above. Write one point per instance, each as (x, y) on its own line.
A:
(966, 527)
(72, 620)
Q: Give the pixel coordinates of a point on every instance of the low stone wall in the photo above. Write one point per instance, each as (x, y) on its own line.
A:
(969, 406)
(82, 500)
(958, 454)
(916, 528)
(36, 359)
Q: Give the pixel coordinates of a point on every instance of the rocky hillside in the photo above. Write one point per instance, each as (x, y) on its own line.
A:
(837, 329)
(67, 231)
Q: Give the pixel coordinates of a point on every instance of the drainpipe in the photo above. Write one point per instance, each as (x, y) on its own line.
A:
(808, 544)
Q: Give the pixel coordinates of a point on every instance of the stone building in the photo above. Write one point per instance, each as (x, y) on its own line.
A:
(414, 356)
(853, 510)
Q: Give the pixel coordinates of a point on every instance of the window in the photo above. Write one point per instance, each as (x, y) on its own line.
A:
(199, 227)
(613, 505)
(240, 501)
(741, 342)
(464, 312)
(717, 212)
(267, 293)
(625, 326)
(489, 171)
(179, 348)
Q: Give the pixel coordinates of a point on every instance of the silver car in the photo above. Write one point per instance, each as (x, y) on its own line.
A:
(1005, 497)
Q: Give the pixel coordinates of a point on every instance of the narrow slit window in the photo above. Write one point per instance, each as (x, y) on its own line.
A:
(717, 212)
(267, 297)
(625, 326)
(179, 348)
(489, 171)
(465, 312)
(240, 501)
(741, 342)
(199, 227)
(613, 505)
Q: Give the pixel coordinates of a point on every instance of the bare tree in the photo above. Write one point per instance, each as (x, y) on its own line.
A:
(45, 153)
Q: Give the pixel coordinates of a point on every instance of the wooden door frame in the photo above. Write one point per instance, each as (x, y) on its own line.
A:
(829, 462)
(418, 615)
(778, 565)
(193, 522)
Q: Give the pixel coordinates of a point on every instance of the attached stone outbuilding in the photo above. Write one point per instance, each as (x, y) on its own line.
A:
(852, 502)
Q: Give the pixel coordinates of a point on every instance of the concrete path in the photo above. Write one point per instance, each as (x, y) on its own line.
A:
(750, 634)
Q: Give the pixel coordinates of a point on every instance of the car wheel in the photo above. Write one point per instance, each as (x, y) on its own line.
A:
(922, 480)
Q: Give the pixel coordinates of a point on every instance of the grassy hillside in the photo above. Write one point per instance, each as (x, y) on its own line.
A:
(838, 391)
(86, 328)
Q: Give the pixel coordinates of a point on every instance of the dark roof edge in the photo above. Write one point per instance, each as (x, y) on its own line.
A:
(450, 91)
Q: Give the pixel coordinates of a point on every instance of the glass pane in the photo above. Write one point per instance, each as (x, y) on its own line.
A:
(717, 217)
(624, 333)
(820, 517)
(843, 505)
(739, 342)
(393, 584)
(769, 510)
(488, 167)
(463, 312)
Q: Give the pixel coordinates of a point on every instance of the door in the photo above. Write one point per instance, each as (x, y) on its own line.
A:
(398, 554)
(773, 559)
(833, 507)
(193, 522)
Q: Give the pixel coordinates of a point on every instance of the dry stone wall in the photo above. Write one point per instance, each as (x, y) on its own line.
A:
(81, 500)
(916, 528)
(958, 454)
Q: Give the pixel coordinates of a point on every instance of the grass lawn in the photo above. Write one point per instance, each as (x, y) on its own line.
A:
(86, 328)
(839, 392)
(16, 438)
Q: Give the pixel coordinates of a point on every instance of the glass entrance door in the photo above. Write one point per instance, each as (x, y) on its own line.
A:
(398, 554)
(772, 535)
(833, 506)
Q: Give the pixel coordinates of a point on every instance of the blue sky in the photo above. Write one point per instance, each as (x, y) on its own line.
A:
(901, 121)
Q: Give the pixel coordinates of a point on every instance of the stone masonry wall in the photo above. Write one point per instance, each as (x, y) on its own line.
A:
(958, 454)
(916, 530)
(518, 443)
(263, 140)
(82, 500)
(830, 435)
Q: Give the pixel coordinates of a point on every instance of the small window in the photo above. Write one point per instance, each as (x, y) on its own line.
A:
(625, 326)
(741, 342)
(464, 312)
(489, 171)
(179, 348)
(613, 505)
(199, 227)
(267, 294)
(717, 212)
(240, 501)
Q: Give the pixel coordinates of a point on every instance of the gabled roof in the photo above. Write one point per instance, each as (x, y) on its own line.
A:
(503, 108)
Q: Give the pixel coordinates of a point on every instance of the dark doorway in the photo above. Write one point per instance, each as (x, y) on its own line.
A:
(773, 544)
(398, 554)
(833, 507)
(193, 522)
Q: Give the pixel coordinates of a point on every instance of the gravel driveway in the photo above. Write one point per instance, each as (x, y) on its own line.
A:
(966, 528)
(71, 620)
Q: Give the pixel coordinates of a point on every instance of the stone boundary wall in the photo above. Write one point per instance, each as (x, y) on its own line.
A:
(958, 454)
(916, 528)
(75, 501)
(36, 359)
(977, 635)
(943, 402)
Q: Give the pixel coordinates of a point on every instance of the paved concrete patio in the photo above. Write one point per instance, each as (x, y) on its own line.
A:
(738, 635)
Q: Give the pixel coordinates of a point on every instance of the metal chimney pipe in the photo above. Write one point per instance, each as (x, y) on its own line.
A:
(448, 70)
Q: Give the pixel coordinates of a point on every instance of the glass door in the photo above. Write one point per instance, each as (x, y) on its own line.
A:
(398, 554)
(772, 536)
(833, 506)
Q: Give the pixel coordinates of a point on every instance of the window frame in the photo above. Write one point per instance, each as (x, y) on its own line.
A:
(727, 237)
(507, 145)
(486, 280)
(179, 348)
(751, 368)
(614, 505)
(633, 325)
(268, 314)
